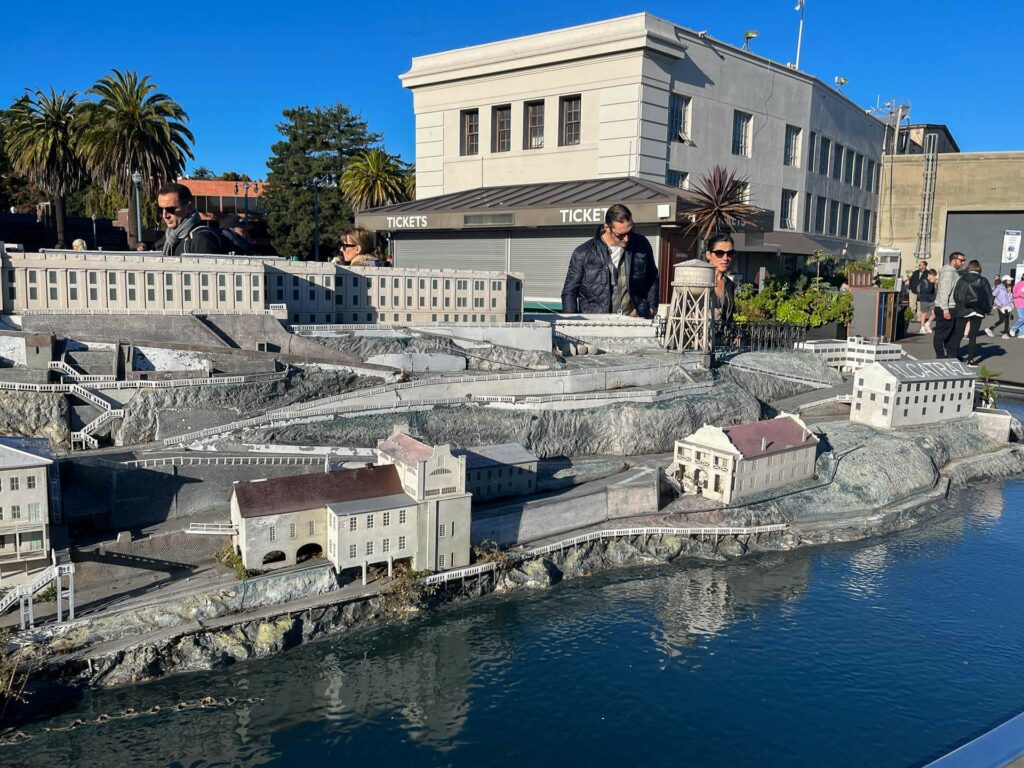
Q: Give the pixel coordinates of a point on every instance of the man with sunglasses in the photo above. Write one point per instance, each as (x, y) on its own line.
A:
(944, 339)
(186, 232)
(614, 272)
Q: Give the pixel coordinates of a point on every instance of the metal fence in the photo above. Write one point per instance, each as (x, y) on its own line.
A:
(759, 335)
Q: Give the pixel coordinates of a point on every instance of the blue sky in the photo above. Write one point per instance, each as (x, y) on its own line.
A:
(235, 70)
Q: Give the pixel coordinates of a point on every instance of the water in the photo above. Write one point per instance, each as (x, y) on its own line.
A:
(887, 652)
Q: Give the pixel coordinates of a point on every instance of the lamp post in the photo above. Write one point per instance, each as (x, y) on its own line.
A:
(800, 31)
(95, 240)
(245, 186)
(316, 219)
(137, 183)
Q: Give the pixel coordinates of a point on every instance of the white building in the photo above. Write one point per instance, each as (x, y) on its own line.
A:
(499, 471)
(913, 393)
(411, 506)
(853, 353)
(641, 97)
(729, 463)
(25, 466)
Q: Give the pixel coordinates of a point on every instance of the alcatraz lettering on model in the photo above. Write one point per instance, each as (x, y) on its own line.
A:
(582, 215)
(407, 222)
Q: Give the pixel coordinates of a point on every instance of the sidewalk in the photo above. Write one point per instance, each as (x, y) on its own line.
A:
(1004, 356)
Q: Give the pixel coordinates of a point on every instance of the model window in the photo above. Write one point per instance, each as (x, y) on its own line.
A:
(369, 547)
(369, 521)
(401, 517)
(352, 551)
(352, 523)
(401, 542)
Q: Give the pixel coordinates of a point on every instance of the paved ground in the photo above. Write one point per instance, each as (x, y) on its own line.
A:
(1006, 356)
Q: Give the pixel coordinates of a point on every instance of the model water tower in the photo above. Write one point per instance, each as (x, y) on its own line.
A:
(690, 316)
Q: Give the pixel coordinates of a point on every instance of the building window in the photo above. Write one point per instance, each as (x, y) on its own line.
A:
(352, 523)
(854, 221)
(14, 484)
(680, 179)
(858, 170)
(741, 138)
(501, 128)
(30, 482)
(787, 212)
(824, 152)
(807, 212)
(533, 126)
(865, 232)
(833, 218)
(848, 166)
(469, 132)
(811, 142)
(386, 545)
(15, 512)
(291, 530)
(369, 521)
(401, 517)
(440, 531)
(678, 118)
(312, 528)
(791, 152)
(442, 561)
(369, 547)
(352, 551)
(570, 119)
(387, 518)
(844, 221)
(273, 533)
(401, 543)
(837, 161)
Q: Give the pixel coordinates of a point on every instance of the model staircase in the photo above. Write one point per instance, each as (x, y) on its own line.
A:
(84, 438)
(24, 593)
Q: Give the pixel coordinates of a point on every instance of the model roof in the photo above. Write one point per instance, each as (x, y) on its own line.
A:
(928, 370)
(298, 492)
(357, 506)
(406, 448)
(760, 438)
(22, 452)
(492, 455)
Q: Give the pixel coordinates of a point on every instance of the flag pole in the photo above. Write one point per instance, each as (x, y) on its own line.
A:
(800, 33)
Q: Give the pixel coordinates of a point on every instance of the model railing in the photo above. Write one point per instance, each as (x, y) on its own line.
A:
(64, 369)
(161, 312)
(212, 529)
(343, 327)
(147, 384)
(23, 593)
(225, 461)
(90, 397)
(612, 533)
(102, 420)
(819, 383)
(825, 401)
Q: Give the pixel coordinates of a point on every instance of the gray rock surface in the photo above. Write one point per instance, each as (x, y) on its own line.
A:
(35, 414)
(239, 401)
(625, 429)
(757, 379)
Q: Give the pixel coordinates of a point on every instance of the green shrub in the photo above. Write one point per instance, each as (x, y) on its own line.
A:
(229, 557)
(813, 306)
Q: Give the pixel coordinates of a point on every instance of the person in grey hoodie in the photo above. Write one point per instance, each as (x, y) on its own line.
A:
(944, 339)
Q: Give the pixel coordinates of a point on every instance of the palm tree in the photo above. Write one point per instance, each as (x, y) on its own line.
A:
(720, 203)
(372, 179)
(42, 144)
(132, 127)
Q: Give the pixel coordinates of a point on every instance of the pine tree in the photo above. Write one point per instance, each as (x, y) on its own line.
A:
(316, 147)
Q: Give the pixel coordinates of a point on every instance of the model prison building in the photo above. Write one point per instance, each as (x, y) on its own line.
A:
(25, 488)
(411, 506)
(891, 395)
(729, 463)
(309, 292)
(853, 353)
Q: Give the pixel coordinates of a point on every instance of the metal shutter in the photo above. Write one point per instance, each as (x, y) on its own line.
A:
(543, 257)
(477, 250)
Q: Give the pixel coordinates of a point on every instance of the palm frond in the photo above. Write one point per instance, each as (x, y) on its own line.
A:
(719, 203)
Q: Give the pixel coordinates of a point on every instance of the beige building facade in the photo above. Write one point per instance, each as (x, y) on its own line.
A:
(24, 506)
(308, 292)
(912, 394)
(851, 354)
(977, 196)
(727, 464)
(499, 471)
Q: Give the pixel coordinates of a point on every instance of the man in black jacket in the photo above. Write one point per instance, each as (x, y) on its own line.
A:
(185, 231)
(916, 278)
(614, 272)
(973, 297)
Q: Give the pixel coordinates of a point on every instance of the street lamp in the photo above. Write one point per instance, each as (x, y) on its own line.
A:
(245, 186)
(137, 182)
(95, 240)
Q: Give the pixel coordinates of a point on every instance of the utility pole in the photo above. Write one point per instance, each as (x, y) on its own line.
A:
(316, 219)
(800, 32)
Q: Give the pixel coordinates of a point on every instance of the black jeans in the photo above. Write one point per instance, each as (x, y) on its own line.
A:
(972, 325)
(944, 341)
(1004, 318)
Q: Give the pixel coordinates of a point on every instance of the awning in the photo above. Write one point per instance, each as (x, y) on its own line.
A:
(550, 204)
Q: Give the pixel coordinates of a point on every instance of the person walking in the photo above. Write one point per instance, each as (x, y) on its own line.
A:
(918, 276)
(926, 300)
(1018, 302)
(944, 326)
(1004, 306)
(973, 298)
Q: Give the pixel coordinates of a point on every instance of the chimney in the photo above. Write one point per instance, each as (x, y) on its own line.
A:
(764, 443)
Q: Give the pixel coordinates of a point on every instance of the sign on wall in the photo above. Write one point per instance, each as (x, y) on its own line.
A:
(1011, 245)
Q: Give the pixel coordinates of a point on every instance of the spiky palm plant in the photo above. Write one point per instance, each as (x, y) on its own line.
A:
(133, 127)
(719, 203)
(373, 179)
(42, 143)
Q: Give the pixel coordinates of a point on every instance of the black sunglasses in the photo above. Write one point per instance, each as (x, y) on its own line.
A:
(167, 208)
(348, 245)
(723, 254)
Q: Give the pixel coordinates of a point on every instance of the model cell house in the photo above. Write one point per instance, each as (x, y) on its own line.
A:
(729, 463)
(915, 393)
(25, 488)
(499, 471)
(412, 506)
(853, 353)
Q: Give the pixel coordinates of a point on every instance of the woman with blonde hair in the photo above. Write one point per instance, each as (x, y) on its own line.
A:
(78, 245)
(359, 249)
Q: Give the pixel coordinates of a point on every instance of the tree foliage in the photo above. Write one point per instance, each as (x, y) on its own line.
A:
(316, 147)
(720, 203)
(15, 191)
(373, 179)
(815, 305)
(43, 142)
(202, 173)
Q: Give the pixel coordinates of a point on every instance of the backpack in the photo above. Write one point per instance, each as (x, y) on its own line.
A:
(972, 295)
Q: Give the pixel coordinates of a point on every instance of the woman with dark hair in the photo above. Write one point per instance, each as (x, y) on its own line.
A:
(359, 249)
(720, 252)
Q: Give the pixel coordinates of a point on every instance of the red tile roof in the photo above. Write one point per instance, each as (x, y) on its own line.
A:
(781, 434)
(298, 492)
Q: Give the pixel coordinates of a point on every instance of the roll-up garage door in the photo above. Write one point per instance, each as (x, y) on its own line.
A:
(477, 250)
(543, 258)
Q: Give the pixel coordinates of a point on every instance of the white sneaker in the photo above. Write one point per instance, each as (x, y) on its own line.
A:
(1006, 335)
(988, 332)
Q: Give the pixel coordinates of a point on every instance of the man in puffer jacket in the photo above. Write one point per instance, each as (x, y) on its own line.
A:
(973, 298)
(614, 272)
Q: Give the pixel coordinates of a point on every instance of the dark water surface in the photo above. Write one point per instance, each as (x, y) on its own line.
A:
(883, 653)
